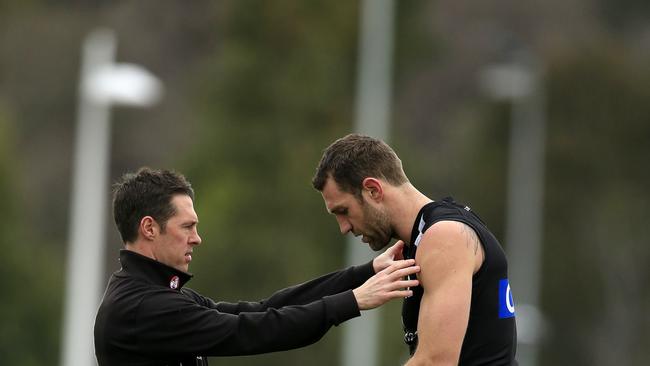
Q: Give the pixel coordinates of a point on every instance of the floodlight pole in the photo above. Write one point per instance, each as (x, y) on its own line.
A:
(373, 100)
(102, 83)
(525, 210)
(519, 82)
(88, 208)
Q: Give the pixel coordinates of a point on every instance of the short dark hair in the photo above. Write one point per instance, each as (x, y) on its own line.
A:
(148, 192)
(352, 158)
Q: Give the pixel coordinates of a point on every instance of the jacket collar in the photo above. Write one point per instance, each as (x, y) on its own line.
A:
(152, 271)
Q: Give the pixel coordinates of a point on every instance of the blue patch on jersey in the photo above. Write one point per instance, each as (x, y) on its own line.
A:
(506, 303)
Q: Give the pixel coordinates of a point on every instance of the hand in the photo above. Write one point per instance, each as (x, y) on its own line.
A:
(392, 254)
(387, 285)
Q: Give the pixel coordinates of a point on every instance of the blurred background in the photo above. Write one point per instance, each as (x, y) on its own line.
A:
(255, 90)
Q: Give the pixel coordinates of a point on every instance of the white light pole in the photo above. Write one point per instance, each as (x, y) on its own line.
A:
(519, 82)
(102, 83)
(373, 100)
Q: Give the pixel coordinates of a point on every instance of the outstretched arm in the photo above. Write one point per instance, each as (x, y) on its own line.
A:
(326, 285)
(177, 324)
(448, 258)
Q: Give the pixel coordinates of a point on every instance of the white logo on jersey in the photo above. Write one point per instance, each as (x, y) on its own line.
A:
(509, 302)
(173, 283)
(506, 302)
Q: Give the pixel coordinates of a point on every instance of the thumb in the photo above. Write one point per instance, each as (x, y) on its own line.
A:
(397, 247)
(396, 250)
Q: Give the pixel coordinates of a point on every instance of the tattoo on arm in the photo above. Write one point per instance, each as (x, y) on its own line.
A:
(472, 238)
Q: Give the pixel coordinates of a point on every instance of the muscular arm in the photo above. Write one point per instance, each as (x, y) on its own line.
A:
(449, 254)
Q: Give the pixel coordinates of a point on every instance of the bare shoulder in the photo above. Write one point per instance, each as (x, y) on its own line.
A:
(448, 233)
(451, 241)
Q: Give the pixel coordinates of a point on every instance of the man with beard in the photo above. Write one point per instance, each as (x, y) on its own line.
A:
(149, 317)
(462, 313)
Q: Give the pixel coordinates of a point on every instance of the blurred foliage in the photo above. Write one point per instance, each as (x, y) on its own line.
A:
(280, 88)
(623, 14)
(256, 90)
(30, 271)
(597, 205)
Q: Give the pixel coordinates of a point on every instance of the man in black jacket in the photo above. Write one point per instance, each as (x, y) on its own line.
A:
(148, 317)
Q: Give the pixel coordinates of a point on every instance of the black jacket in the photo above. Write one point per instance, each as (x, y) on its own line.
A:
(147, 317)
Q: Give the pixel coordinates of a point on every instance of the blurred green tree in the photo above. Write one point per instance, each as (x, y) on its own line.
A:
(276, 92)
(597, 206)
(30, 271)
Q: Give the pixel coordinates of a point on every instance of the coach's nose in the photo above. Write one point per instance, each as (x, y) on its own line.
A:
(195, 239)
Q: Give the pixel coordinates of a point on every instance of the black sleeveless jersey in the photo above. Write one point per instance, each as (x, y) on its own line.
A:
(491, 336)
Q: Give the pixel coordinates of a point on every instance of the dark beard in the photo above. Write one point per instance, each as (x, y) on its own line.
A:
(380, 223)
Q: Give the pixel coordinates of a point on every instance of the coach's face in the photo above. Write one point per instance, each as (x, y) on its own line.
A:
(174, 244)
(362, 218)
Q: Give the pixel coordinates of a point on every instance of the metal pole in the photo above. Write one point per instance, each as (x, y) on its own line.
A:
(524, 212)
(373, 99)
(88, 208)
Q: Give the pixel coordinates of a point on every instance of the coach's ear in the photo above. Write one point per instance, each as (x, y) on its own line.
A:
(373, 188)
(148, 228)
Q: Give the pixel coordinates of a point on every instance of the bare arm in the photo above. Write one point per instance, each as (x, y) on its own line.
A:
(448, 255)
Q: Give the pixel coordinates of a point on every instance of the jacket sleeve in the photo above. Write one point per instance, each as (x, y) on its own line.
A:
(329, 284)
(169, 323)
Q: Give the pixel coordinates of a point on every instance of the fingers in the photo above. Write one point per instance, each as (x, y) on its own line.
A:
(388, 257)
(400, 294)
(402, 289)
(399, 270)
(405, 272)
(397, 247)
(399, 265)
(402, 268)
(387, 285)
(395, 251)
(403, 284)
(398, 250)
(399, 256)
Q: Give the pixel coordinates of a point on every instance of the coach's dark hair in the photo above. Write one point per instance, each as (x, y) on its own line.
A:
(147, 192)
(351, 159)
